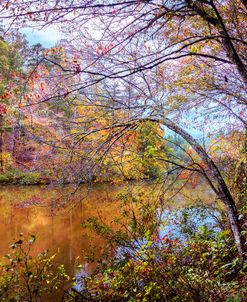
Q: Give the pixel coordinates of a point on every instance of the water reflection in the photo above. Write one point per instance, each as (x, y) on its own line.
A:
(32, 210)
(55, 216)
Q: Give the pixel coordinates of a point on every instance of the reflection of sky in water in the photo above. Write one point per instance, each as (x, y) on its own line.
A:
(79, 275)
(175, 221)
(174, 227)
(57, 225)
(181, 223)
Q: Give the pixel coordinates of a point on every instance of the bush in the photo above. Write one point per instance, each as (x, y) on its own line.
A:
(203, 270)
(155, 266)
(4, 179)
(29, 278)
(148, 265)
(30, 178)
(15, 176)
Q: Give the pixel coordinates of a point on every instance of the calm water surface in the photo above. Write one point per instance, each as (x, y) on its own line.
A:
(55, 216)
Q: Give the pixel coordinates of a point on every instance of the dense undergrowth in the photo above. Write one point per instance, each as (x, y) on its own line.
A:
(18, 177)
(179, 255)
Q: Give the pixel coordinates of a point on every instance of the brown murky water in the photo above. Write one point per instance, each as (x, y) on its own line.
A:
(55, 216)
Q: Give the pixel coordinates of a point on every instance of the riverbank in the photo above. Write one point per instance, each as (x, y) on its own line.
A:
(19, 177)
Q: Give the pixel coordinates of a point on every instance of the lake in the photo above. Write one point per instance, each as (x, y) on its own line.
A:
(55, 216)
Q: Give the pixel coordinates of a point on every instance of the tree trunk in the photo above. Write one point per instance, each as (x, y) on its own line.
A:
(223, 192)
(227, 43)
(213, 174)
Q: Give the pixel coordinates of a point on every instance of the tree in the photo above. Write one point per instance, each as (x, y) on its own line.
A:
(141, 44)
(10, 78)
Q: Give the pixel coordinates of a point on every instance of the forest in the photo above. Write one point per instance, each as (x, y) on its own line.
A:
(129, 135)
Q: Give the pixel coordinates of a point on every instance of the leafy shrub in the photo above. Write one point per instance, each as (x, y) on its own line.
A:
(15, 176)
(4, 179)
(203, 270)
(155, 266)
(30, 178)
(24, 277)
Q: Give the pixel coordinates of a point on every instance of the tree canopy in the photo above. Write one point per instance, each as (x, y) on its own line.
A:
(177, 64)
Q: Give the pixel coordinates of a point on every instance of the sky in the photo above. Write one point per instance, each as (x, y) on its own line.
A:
(47, 37)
